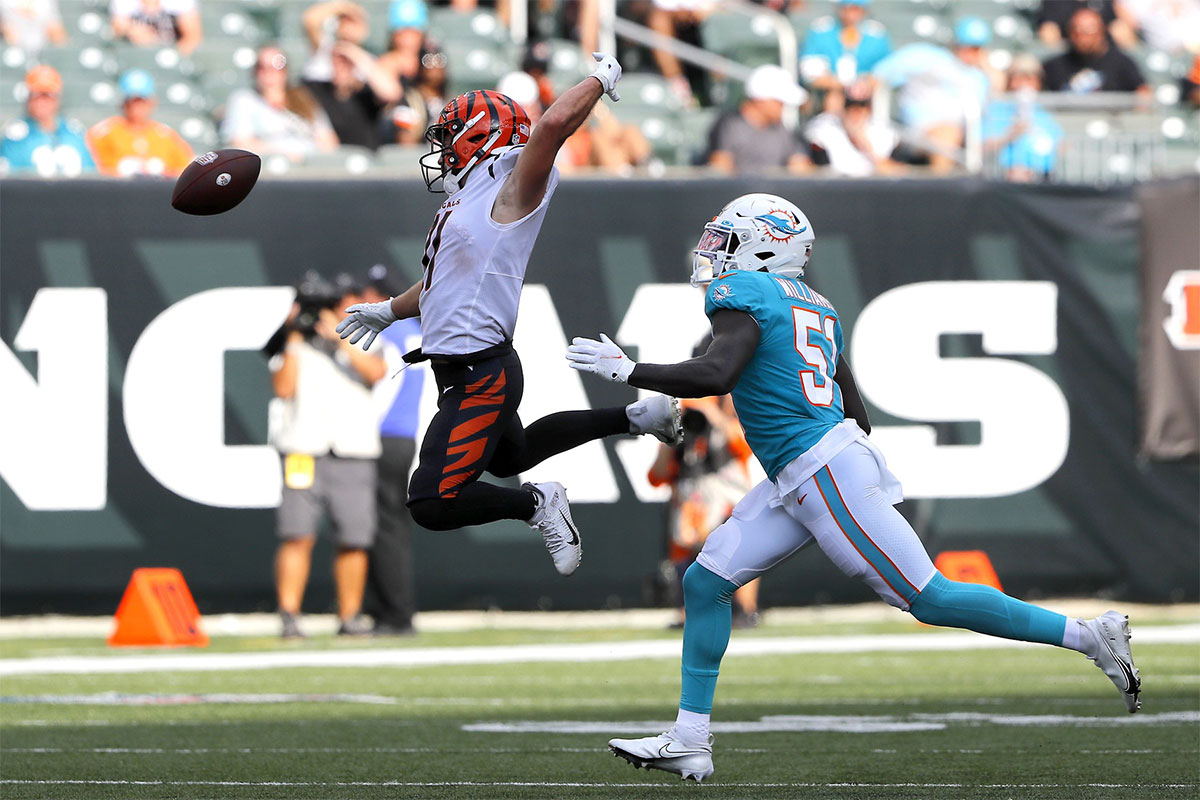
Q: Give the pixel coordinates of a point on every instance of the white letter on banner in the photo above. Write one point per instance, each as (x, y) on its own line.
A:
(1024, 420)
(55, 429)
(175, 396)
(665, 321)
(550, 386)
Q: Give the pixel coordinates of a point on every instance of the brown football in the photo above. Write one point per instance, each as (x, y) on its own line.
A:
(216, 181)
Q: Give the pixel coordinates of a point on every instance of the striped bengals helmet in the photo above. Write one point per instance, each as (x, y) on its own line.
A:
(471, 127)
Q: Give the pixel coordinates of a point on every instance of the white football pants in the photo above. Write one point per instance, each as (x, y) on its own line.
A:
(846, 508)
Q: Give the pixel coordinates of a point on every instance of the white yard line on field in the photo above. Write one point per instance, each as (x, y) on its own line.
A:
(511, 654)
(262, 624)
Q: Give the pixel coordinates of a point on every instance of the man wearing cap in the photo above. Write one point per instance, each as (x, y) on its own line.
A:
(753, 138)
(133, 143)
(837, 50)
(43, 140)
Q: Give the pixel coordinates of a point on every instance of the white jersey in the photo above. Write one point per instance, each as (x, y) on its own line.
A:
(474, 267)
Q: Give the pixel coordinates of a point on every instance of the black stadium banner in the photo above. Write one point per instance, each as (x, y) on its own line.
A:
(993, 327)
(1169, 365)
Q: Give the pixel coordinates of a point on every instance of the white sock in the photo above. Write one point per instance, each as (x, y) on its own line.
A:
(692, 727)
(1076, 636)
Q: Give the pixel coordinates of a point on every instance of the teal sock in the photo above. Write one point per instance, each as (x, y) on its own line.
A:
(708, 622)
(985, 610)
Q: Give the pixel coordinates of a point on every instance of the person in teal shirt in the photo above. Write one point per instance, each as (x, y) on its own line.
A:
(1021, 134)
(43, 141)
(836, 51)
(777, 344)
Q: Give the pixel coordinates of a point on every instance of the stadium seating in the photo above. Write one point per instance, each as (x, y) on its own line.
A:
(192, 91)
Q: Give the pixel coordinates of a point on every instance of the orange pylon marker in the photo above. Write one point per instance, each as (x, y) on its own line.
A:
(968, 566)
(157, 610)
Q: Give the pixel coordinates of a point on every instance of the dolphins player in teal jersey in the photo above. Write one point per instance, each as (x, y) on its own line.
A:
(777, 346)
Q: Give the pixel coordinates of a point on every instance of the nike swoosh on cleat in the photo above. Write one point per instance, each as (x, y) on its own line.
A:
(1130, 678)
(666, 752)
(574, 533)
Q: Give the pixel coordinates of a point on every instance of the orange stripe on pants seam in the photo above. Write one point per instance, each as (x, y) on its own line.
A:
(833, 516)
(867, 536)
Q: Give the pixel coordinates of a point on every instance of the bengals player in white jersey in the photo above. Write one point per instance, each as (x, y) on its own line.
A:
(500, 177)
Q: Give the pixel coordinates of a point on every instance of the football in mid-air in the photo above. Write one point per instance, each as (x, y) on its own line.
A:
(216, 181)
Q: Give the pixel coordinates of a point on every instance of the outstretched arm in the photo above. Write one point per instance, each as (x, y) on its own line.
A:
(735, 338)
(852, 402)
(526, 185)
(368, 319)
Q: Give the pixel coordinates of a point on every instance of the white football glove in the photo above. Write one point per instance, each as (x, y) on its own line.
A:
(602, 357)
(366, 319)
(608, 72)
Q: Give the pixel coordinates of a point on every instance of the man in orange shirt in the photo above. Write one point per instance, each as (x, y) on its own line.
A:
(133, 143)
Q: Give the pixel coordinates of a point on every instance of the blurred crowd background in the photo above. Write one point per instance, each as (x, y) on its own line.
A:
(1092, 91)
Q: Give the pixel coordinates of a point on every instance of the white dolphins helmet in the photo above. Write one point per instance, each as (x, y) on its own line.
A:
(752, 232)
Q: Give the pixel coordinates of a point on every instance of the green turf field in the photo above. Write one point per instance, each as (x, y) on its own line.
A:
(1006, 723)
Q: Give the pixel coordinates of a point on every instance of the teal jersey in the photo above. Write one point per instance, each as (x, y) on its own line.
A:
(786, 398)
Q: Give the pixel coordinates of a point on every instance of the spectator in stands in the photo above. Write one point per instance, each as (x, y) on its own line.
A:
(1092, 63)
(1053, 16)
(391, 595)
(1020, 133)
(356, 96)
(972, 35)
(1170, 25)
(157, 23)
(680, 19)
(424, 100)
(134, 143)
(753, 138)
(939, 90)
(31, 24)
(43, 141)
(326, 24)
(407, 23)
(847, 138)
(328, 438)
(837, 51)
(275, 117)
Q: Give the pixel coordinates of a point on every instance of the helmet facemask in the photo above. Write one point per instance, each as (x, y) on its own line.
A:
(471, 127)
(712, 253)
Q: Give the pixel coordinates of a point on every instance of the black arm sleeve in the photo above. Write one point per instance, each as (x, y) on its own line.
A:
(735, 337)
(852, 402)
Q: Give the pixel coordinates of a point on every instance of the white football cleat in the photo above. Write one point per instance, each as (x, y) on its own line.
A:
(657, 415)
(552, 519)
(1111, 631)
(668, 753)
